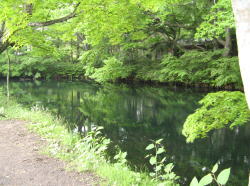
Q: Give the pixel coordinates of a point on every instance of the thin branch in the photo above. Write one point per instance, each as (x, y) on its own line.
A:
(199, 47)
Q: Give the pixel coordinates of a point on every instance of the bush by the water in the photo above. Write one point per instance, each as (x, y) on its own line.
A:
(192, 68)
(38, 67)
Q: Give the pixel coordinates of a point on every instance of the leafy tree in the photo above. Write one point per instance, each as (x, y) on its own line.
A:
(137, 33)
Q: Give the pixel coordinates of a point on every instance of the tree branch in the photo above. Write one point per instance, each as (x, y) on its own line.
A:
(54, 21)
(4, 46)
(222, 42)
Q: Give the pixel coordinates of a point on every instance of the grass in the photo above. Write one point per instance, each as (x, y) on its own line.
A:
(82, 154)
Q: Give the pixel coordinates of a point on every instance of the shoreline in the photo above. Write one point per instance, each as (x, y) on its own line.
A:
(79, 154)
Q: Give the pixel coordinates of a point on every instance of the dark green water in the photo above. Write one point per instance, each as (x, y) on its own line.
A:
(132, 115)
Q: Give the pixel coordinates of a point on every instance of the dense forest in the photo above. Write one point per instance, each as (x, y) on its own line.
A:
(177, 41)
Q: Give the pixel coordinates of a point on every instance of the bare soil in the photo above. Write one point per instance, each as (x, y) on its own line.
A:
(21, 164)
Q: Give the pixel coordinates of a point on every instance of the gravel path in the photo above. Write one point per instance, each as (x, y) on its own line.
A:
(22, 165)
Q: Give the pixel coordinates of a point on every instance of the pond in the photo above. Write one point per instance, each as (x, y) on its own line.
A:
(132, 115)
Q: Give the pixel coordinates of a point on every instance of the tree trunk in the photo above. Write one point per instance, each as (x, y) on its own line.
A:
(241, 10)
(3, 46)
(228, 43)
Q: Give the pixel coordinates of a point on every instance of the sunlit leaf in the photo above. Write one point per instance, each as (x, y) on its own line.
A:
(215, 168)
(159, 141)
(206, 180)
(150, 146)
(160, 150)
(194, 182)
(223, 176)
(152, 161)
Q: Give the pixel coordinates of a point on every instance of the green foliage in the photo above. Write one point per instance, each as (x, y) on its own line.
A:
(223, 176)
(36, 67)
(226, 72)
(221, 179)
(157, 159)
(112, 70)
(120, 157)
(101, 21)
(90, 60)
(195, 67)
(219, 18)
(218, 110)
(138, 33)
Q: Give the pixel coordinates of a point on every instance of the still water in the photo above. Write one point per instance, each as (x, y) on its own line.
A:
(132, 115)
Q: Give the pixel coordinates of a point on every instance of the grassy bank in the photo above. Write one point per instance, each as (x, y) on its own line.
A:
(82, 154)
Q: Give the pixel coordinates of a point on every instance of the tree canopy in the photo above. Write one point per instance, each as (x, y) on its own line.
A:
(165, 41)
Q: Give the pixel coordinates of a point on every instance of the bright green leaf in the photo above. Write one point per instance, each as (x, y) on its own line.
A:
(223, 176)
(152, 161)
(194, 182)
(150, 146)
(206, 180)
(160, 151)
(215, 168)
(159, 141)
(158, 168)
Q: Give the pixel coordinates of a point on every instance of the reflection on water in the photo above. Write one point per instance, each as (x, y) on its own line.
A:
(132, 115)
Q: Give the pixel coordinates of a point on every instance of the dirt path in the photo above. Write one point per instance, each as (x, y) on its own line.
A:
(22, 165)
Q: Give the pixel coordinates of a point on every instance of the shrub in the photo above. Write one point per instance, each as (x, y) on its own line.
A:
(194, 67)
(112, 70)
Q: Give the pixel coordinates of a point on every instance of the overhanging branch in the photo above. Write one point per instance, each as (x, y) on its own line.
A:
(54, 21)
(5, 44)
